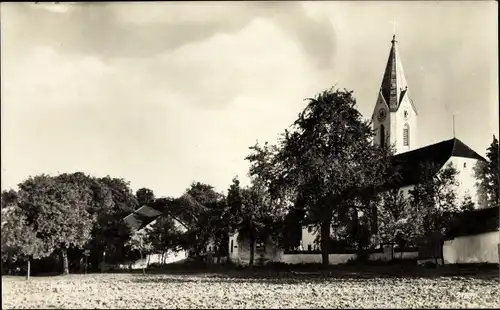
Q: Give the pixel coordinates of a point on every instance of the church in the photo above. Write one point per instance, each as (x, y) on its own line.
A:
(395, 122)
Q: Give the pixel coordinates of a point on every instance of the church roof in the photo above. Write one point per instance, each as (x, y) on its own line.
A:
(409, 164)
(394, 85)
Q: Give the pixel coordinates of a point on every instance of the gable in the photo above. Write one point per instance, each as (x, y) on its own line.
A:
(380, 103)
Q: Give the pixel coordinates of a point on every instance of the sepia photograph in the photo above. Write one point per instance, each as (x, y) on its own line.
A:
(250, 154)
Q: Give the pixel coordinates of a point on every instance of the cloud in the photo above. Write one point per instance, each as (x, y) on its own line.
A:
(166, 93)
(186, 114)
(148, 29)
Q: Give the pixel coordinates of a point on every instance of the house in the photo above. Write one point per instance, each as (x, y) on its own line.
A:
(145, 217)
(395, 122)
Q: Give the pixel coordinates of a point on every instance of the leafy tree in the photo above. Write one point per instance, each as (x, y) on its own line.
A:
(111, 199)
(250, 224)
(9, 198)
(487, 176)
(141, 241)
(293, 222)
(57, 212)
(210, 226)
(115, 200)
(165, 235)
(326, 160)
(234, 201)
(261, 218)
(434, 199)
(144, 196)
(19, 240)
(394, 218)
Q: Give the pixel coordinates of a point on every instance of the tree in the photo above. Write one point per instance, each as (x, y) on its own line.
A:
(19, 240)
(487, 176)
(261, 218)
(9, 198)
(144, 196)
(250, 224)
(434, 199)
(140, 241)
(234, 201)
(326, 160)
(394, 218)
(114, 200)
(57, 211)
(164, 236)
(111, 199)
(207, 207)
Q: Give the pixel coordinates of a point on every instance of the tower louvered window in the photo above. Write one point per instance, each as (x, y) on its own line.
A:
(382, 135)
(406, 135)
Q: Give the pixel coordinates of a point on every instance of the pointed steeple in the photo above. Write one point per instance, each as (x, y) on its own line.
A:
(394, 86)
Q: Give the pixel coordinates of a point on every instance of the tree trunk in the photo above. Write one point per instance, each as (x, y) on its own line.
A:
(142, 264)
(325, 240)
(217, 254)
(252, 252)
(149, 260)
(374, 219)
(85, 267)
(228, 249)
(64, 256)
(29, 270)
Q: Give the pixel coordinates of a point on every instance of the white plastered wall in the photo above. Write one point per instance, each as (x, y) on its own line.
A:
(482, 248)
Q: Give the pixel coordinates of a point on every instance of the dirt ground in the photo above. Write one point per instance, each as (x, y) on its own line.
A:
(217, 290)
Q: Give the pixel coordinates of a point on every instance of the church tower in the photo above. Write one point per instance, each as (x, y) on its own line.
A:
(394, 117)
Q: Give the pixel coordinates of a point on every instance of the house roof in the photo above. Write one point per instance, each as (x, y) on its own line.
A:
(409, 164)
(176, 208)
(474, 222)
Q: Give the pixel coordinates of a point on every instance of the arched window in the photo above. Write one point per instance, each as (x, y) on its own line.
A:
(382, 135)
(406, 135)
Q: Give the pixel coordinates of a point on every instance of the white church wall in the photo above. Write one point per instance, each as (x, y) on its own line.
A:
(465, 177)
(482, 248)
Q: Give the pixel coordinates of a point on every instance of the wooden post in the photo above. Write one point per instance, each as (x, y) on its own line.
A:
(140, 251)
(29, 270)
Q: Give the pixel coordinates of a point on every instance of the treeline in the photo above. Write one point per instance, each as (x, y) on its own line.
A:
(324, 172)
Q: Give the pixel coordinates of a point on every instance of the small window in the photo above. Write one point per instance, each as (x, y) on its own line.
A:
(232, 245)
(309, 247)
(465, 165)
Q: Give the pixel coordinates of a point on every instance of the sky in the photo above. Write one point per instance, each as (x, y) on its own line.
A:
(166, 93)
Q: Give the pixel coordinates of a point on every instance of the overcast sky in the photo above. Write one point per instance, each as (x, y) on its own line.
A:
(163, 94)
